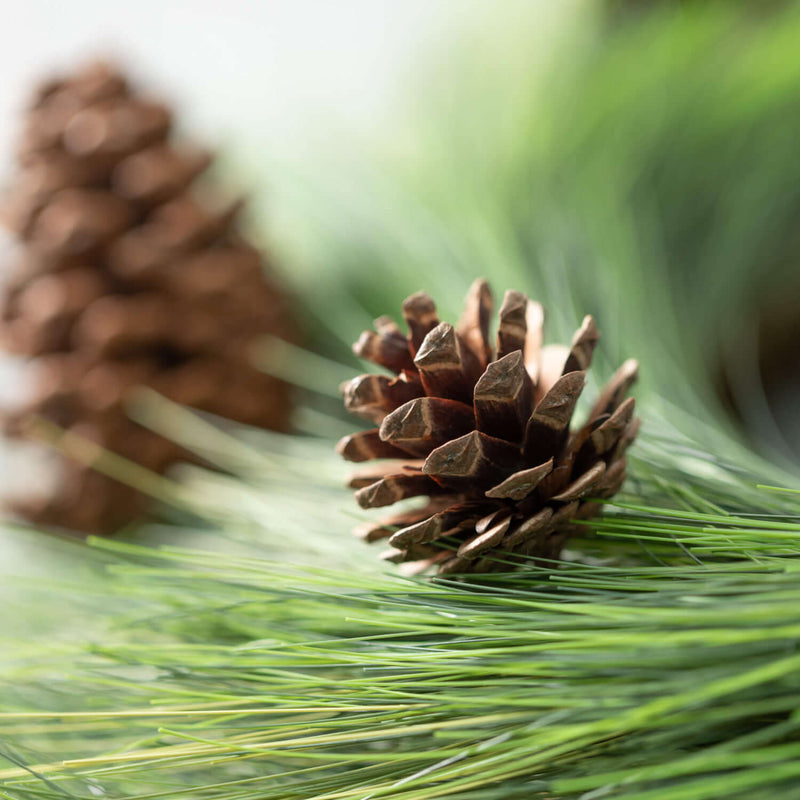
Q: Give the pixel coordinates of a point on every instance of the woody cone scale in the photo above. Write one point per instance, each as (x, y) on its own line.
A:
(129, 273)
(482, 433)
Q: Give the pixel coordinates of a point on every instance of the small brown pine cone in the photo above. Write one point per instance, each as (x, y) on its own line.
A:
(483, 433)
(129, 272)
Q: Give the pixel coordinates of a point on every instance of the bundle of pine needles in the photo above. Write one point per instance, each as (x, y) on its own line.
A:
(661, 662)
(264, 655)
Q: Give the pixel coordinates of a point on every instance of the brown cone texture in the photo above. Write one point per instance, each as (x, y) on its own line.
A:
(129, 274)
(483, 432)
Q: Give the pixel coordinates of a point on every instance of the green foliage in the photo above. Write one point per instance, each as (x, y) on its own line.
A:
(644, 172)
(660, 663)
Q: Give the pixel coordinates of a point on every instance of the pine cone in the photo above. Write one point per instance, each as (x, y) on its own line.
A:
(128, 275)
(483, 434)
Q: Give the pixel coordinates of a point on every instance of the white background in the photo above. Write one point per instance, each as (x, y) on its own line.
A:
(279, 64)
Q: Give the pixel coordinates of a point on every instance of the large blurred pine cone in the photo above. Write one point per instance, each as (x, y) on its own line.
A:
(484, 435)
(128, 274)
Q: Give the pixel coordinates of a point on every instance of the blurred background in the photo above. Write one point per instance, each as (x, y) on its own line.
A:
(280, 66)
(633, 160)
(278, 80)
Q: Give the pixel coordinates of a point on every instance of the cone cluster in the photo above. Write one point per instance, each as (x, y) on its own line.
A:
(483, 434)
(129, 272)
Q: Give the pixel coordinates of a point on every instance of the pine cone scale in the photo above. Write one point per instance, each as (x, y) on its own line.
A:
(439, 524)
(513, 324)
(474, 459)
(482, 542)
(446, 369)
(519, 485)
(419, 313)
(421, 425)
(503, 398)
(392, 488)
(473, 327)
(367, 445)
